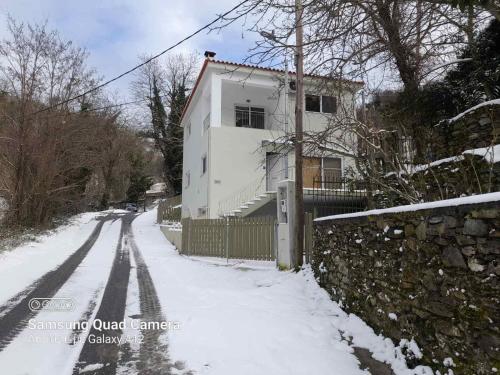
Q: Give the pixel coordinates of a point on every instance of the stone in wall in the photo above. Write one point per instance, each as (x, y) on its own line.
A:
(431, 275)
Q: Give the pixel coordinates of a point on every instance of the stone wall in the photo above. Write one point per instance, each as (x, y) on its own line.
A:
(452, 174)
(465, 175)
(476, 129)
(431, 275)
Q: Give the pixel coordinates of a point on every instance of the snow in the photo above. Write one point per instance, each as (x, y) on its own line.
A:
(93, 367)
(448, 362)
(173, 226)
(30, 261)
(473, 199)
(157, 188)
(490, 154)
(255, 320)
(487, 103)
(392, 316)
(48, 350)
(423, 167)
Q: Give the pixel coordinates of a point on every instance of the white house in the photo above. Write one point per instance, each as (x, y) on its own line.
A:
(234, 124)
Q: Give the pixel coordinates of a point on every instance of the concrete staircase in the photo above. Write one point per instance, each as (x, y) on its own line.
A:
(253, 205)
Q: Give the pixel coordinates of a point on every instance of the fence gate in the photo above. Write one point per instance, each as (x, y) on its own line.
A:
(237, 238)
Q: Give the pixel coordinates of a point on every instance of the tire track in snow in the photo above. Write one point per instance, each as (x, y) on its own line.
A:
(102, 358)
(153, 353)
(15, 318)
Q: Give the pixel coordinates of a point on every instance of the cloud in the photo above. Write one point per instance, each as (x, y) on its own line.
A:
(116, 32)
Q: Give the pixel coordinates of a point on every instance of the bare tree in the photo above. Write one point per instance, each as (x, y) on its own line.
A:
(47, 158)
(163, 86)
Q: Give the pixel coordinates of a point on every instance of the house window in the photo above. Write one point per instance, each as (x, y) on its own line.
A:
(328, 104)
(188, 179)
(203, 164)
(188, 129)
(249, 117)
(202, 211)
(321, 172)
(321, 103)
(313, 103)
(332, 169)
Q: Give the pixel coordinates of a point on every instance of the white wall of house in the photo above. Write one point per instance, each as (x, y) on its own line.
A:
(235, 157)
(195, 192)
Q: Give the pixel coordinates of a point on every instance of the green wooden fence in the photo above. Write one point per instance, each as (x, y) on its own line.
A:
(169, 209)
(246, 238)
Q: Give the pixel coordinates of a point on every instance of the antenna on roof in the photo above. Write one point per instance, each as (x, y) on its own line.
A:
(209, 55)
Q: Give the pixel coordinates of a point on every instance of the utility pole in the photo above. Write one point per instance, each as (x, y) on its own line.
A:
(299, 115)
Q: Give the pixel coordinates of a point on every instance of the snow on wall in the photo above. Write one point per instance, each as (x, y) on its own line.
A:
(427, 272)
(482, 198)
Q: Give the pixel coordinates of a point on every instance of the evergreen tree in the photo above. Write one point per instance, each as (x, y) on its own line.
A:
(174, 138)
(473, 82)
(159, 122)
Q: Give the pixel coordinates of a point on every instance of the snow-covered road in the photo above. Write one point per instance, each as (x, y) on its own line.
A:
(178, 315)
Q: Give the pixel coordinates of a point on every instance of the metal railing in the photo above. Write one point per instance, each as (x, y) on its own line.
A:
(334, 196)
(244, 195)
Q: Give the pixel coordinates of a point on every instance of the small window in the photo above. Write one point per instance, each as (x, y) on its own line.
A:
(188, 179)
(332, 169)
(328, 104)
(202, 211)
(203, 164)
(188, 129)
(313, 103)
(249, 117)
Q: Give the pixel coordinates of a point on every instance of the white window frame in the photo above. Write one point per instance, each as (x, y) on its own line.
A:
(249, 106)
(321, 104)
(323, 167)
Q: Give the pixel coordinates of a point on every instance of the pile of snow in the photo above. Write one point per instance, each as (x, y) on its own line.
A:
(480, 198)
(256, 320)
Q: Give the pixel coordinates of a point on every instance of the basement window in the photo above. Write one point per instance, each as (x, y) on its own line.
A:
(249, 117)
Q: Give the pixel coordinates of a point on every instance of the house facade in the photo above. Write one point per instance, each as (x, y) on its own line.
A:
(235, 146)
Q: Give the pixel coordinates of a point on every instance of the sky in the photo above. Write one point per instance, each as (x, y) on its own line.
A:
(116, 32)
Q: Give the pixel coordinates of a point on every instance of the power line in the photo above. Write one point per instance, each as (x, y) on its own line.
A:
(145, 62)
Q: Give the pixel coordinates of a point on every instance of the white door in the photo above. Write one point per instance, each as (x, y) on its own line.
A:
(274, 171)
